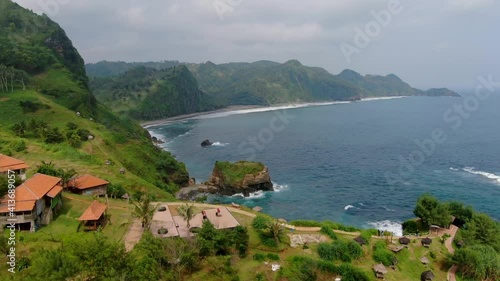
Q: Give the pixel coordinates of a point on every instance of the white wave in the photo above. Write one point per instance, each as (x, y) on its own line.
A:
(348, 207)
(388, 209)
(220, 144)
(454, 169)
(382, 98)
(253, 195)
(490, 176)
(395, 227)
(361, 204)
(279, 187)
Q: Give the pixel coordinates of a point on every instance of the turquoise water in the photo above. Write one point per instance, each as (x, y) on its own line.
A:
(344, 162)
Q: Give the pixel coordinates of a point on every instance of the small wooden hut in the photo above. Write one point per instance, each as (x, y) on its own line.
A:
(426, 242)
(404, 241)
(427, 276)
(94, 216)
(360, 240)
(380, 270)
(425, 261)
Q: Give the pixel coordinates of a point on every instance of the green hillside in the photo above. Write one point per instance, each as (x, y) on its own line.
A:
(145, 93)
(267, 82)
(46, 82)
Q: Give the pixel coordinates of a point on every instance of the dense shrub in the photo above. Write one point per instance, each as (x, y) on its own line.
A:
(273, 257)
(261, 222)
(410, 227)
(328, 231)
(381, 254)
(340, 250)
(259, 257)
(306, 223)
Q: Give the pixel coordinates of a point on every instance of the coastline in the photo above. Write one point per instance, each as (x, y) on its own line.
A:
(242, 109)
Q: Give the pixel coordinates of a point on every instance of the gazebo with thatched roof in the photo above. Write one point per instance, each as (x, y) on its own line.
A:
(380, 270)
(426, 242)
(427, 276)
(360, 240)
(425, 261)
(404, 241)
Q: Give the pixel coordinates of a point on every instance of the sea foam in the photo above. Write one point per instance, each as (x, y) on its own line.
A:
(491, 176)
(348, 207)
(220, 144)
(387, 225)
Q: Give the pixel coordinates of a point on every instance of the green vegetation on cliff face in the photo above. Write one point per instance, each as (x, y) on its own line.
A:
(146, 93)
(266, 82)
(110, 68)
(54, 90)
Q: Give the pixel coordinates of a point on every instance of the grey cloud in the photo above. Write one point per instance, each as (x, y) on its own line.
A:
(431, 43)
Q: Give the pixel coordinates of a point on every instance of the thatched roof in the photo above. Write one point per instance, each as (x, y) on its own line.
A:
(360, 240)
(380, 268)
(425, 260)
(396, 249)
(404, 240)
(426, 241)
(427, 275)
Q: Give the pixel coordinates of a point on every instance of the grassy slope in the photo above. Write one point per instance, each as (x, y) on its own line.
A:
(90, 158)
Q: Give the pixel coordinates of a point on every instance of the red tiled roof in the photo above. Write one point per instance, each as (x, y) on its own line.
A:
(93, 212)
(55, 191)
(19, 207)
(9, 163)
(30, 191)
(86, 182)
(40, 184)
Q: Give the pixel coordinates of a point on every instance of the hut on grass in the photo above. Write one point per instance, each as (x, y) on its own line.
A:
(380, 270)
(94, 216)
(426, 242)
(88, 185)
(360, 240)
(396, 249)
(425, 261)
(404, 241)
(427, 276)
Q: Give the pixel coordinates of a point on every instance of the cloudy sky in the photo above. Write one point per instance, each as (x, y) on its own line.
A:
(427, 43)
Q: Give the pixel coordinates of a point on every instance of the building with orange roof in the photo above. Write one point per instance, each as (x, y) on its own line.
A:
(88, 185)
(33, 203)
(94, 216)
(8, 163)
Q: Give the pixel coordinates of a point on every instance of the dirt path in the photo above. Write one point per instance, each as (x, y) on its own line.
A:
(451, 276)
(133, 235)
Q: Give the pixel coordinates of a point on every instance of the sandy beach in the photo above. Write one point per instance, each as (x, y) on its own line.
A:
(196, 114)
(240, 109)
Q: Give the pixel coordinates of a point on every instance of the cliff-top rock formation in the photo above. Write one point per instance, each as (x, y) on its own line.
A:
(240, 177)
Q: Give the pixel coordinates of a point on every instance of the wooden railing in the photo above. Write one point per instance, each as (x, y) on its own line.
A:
(20, 218)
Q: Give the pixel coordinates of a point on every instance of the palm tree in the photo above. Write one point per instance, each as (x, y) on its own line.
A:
(144, 210)
(276, 231)
(66, 175)
(186, 212)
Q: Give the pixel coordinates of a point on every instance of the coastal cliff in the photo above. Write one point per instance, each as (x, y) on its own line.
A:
(240, 177)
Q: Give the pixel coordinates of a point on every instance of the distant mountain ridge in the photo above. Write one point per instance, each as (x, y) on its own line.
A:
(257, 83)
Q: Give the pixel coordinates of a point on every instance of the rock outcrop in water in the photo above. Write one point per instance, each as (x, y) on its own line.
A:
(206, 143)
(240, 177)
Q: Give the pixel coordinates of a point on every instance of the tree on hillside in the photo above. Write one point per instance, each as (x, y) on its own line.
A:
(48, 168)
(431, 211)
(144, 210)
(186, 212)
(478, 262)
(276, 231)
(66, 175)
(482, 229)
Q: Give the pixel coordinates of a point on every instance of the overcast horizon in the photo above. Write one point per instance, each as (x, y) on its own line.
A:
(446, 44)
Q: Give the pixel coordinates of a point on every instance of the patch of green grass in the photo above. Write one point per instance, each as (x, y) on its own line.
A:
(234, 173)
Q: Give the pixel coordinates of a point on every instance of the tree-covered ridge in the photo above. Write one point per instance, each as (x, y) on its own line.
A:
(42, 78)
(110, 68)
(267, 82)
(144, 93)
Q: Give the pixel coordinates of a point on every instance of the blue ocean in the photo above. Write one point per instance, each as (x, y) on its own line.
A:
(362, 164)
